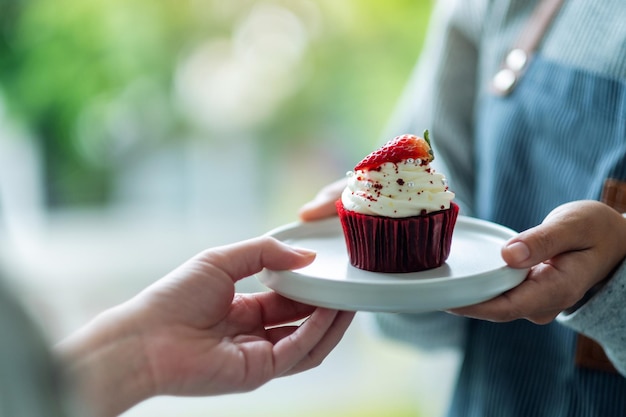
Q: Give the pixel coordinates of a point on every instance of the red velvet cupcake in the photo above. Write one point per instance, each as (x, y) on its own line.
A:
(397, 213)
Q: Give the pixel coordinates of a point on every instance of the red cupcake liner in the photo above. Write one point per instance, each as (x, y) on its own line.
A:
(385, 244)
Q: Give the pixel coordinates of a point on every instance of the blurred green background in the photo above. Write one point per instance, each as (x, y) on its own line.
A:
(94, 81)
(134, 133)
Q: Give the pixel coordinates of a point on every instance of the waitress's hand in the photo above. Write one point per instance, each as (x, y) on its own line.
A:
(576, 247)
(323, 205)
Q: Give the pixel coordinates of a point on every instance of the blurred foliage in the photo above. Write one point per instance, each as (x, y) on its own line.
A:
(361, 62)
(63, 62)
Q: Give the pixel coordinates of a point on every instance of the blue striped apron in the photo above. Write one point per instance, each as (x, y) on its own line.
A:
(554, 139)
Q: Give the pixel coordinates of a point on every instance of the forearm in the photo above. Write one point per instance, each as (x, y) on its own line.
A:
(441, 93)
(105, 363)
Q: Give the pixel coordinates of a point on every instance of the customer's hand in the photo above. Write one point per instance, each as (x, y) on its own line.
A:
(190, 334)
(575, 248)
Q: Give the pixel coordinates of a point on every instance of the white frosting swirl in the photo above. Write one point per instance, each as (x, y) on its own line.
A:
(406, 189)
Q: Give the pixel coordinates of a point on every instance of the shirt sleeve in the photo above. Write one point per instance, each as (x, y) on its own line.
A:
(32, 382)
(441, 93)
(428, 331)
(603, 318)
(440, 97)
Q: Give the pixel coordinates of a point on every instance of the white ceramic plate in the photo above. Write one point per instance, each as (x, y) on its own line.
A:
(474, 272)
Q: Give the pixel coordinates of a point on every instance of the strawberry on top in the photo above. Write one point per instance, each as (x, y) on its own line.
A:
(399, 149)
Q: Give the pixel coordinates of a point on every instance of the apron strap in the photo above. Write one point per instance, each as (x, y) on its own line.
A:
(517, 58)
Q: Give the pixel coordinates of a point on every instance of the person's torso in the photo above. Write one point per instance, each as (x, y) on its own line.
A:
(554, 139)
